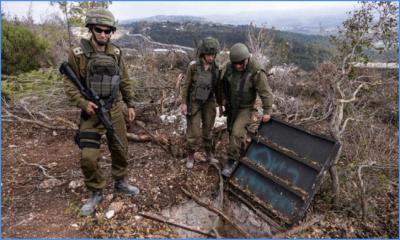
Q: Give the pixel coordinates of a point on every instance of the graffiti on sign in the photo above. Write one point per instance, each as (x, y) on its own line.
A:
(282, 172)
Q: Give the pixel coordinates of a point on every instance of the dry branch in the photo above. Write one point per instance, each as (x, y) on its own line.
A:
(154, 138)
(363, 187)
(37, 122)
(299, 228)
(42, 168)
(271, 222)
(217, 211)
(220, 197)
(138, 138)
(163, 219)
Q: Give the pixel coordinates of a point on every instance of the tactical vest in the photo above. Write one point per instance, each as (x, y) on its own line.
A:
(204, 82)
(102, 71)
(242, 90)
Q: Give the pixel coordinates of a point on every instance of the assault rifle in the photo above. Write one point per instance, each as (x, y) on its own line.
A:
(91, 95)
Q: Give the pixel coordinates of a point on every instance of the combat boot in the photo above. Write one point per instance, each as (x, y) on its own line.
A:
(89, 207)
(190, 161)
(211, 159)
(122, 186)
(229, 167)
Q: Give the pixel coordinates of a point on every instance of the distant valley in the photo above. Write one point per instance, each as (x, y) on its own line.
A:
(306, 51)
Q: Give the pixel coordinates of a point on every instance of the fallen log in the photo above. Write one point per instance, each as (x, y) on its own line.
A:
(154, 138)
(138, 137)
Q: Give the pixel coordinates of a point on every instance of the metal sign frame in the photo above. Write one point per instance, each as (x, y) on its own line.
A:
(283, 168)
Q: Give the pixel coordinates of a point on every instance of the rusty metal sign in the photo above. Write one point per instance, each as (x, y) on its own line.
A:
(283, 169)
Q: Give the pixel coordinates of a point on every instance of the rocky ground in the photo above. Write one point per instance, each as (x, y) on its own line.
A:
(43, 190)
(43, 187)
(42, 184)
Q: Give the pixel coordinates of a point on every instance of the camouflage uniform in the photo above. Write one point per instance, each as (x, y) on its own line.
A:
(90, 130)
(99, 66)
(246, 117)
(198, 94)
(238, 90)
(203, 112)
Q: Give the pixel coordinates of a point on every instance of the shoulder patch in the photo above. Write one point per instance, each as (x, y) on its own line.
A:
(77, 51)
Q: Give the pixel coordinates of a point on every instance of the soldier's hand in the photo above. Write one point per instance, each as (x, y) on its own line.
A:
(266, 117)
(183, 109)
(90, 108)
(131, 114)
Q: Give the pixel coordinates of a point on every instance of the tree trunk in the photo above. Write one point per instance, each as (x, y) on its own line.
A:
(68, 25)
(335, 177)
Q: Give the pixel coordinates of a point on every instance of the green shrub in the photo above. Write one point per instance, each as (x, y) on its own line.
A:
(22, 51)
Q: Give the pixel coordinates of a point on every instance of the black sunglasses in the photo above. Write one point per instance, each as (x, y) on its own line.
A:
(99, 30)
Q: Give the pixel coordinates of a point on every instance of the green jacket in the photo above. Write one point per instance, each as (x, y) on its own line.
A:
(255, 83)
(78, 62)
(195, 67)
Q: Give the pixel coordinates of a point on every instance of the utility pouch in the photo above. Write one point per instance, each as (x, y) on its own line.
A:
(203, 88)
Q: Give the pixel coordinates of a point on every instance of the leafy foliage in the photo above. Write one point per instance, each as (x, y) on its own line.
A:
(76, 11)
(22, 51)
(369, 31)
(56, 35)
(36, 81)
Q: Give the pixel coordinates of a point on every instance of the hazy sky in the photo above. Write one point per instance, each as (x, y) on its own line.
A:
(124, 10)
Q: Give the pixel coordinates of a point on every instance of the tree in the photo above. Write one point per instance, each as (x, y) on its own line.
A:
(374, 26)
(259, 41)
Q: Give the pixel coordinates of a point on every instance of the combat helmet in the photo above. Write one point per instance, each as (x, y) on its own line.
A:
(208, 45)
(100, 16)
(239, 52)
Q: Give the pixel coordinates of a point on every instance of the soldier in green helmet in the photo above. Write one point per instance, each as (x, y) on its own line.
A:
(243, 78)
(99, 65)
(198, 99)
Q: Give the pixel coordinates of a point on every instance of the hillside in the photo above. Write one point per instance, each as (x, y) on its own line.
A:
(339, 98)
(303, 50)
(167, 18)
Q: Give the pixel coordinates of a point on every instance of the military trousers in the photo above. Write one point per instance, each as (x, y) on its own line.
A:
(200, 125)
(246, 120)
(90, 136)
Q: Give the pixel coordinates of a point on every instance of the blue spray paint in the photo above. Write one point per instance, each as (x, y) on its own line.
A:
(264, 157)
(265, 191)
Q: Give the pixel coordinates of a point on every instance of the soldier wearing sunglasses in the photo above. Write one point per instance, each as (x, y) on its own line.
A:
(99, 65)
(243, 78)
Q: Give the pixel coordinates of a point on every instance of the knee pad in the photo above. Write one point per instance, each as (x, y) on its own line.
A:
(87, 139)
